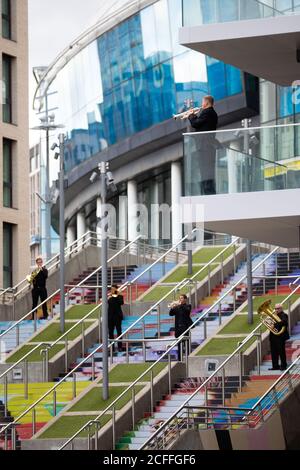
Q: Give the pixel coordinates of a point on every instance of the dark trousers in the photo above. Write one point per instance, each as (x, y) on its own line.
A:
(182, 347)
(39, 292)
(208, 187)
(115, 322)
(278, 351)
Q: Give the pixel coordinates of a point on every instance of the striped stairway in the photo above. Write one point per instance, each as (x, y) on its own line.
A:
(155, 350)
(253, 388)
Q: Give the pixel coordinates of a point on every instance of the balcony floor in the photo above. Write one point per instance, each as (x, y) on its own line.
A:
(265, 47)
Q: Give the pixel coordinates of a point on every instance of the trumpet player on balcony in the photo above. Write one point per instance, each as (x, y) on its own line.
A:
(204, 158)
(278, 341)
(38, 280)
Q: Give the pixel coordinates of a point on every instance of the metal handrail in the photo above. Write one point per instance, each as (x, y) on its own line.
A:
(122, 288)
(219, 131)
(250, 410)
(86, 237)
(69, 250)
(256, 157)
(71, 373)
(220, 368)
(16, 325)
(168, 351)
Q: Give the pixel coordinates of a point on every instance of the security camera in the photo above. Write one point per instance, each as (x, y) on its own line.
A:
(93, 177)
(56, 156)
(54, 146)
(110, 177)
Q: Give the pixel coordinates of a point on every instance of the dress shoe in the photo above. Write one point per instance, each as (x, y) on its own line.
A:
(283, 368)
(274, 368)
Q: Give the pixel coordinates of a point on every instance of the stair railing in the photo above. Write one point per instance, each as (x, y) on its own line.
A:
(77, 245)
(91, 355)
(232, 417)
(16, 326)
(165, 432)
(48, 346)
(167, 354)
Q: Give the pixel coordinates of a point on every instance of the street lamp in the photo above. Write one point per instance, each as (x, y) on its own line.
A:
(48, 125)
(60, 155)
(106, 179)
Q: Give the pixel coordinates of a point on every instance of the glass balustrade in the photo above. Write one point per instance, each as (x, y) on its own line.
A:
(200, 12)
(242, 160)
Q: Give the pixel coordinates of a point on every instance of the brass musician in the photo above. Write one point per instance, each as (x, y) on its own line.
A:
(277, 322)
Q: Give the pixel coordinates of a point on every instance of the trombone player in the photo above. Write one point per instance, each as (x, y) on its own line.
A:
(278, 342)
(38, 280)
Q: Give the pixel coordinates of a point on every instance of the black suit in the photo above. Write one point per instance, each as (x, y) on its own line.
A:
(278, 343)
(39, 291)
(206, 120)
(115, 317)
(203, 165)
(182, 321)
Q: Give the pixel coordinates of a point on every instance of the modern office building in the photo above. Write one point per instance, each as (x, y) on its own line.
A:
(120, 83)
(14, 166)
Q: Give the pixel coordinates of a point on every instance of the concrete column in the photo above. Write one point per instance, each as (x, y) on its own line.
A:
(155, 214)
(71, 234)
(123, 217)
(176, 184)
(132, 209)
(233, 162)
(81, 225)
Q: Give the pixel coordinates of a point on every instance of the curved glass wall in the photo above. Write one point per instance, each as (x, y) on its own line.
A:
(133, 77)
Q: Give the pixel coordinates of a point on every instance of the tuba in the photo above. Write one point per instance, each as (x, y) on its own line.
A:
(269, 318)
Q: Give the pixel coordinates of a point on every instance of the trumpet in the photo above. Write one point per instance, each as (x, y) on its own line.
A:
(174, 304)
(183, 116)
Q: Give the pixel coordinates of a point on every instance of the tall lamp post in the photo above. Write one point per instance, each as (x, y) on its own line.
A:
(48, 125)
(60, 155)
(106, 179)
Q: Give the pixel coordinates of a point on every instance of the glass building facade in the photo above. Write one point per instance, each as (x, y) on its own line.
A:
(132, 77)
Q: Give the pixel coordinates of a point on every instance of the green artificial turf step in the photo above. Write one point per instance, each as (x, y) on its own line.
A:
(223, 346)
(203, 256)
(66, 426)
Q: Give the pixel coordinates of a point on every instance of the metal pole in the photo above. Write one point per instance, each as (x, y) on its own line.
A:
(62, 231)
(48, 202)
(249, 282)
(190, 255)
(105, 388)
(113, 428)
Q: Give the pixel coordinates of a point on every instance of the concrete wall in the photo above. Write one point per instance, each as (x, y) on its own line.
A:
(123, 418)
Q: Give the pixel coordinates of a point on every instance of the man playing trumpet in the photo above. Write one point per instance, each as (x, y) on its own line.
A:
(115, 314)
(181, 310)
(38, 279)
